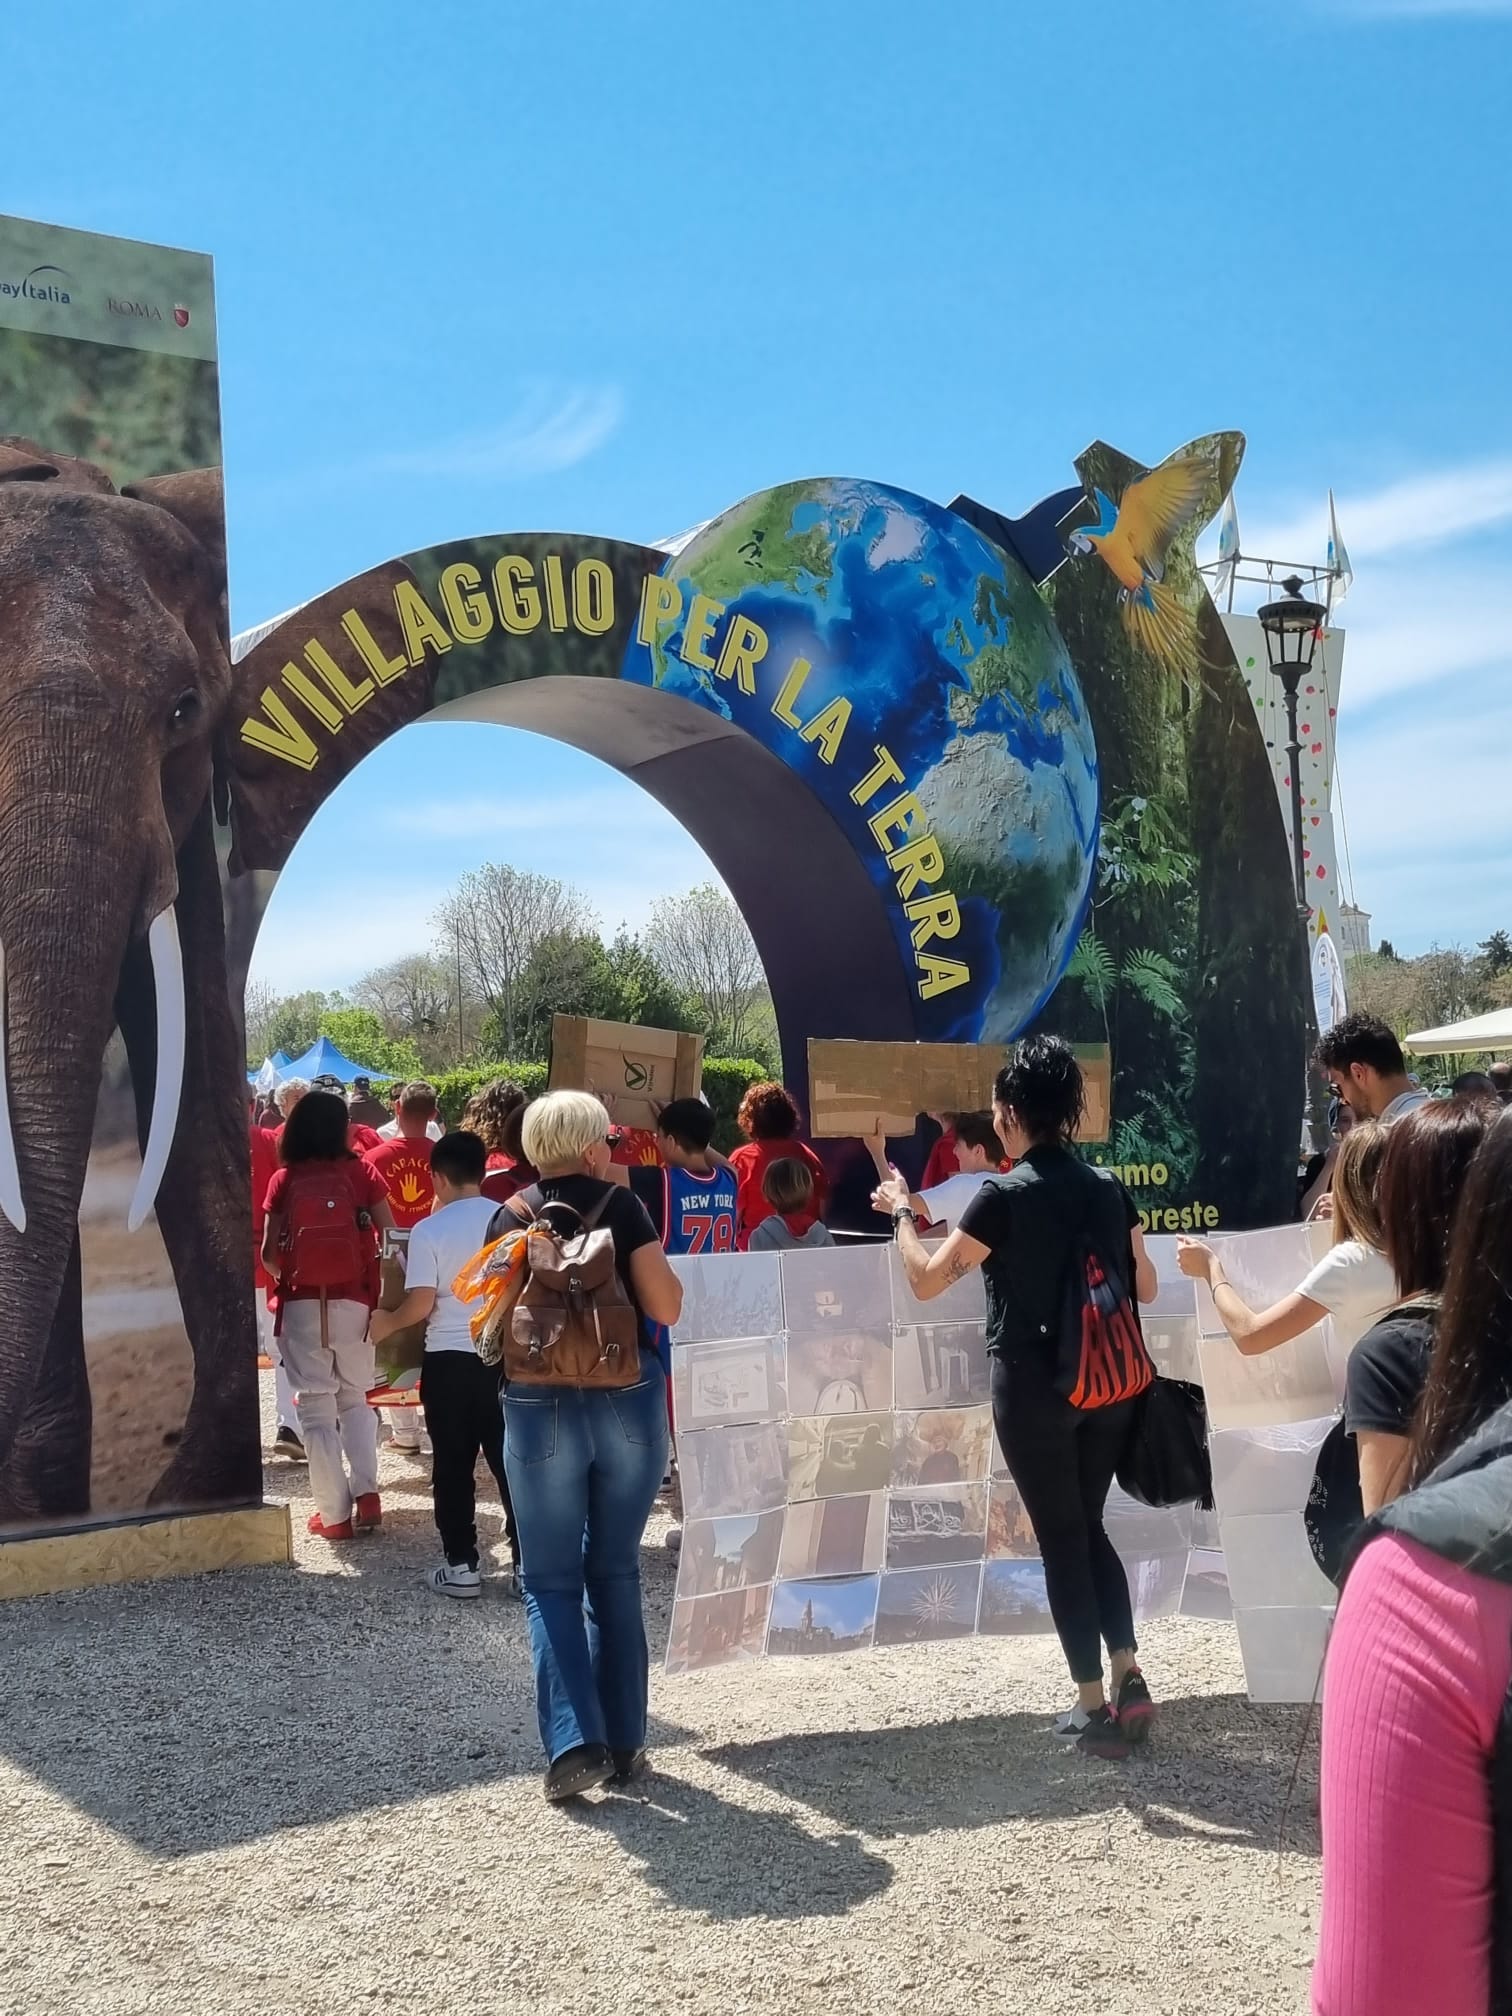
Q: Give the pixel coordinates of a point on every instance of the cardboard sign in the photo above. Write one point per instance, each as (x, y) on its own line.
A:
(634, 1071)
(856, 1087)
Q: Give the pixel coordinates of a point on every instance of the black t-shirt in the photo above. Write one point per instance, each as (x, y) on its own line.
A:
(624, 1216)
(1031, 1218)
(1388, 1370)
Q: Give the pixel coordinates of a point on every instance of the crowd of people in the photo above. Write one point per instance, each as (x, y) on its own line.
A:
(1417, 1807)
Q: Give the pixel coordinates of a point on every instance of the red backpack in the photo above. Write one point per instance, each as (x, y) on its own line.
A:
(1101, 1354)
(328, 1241)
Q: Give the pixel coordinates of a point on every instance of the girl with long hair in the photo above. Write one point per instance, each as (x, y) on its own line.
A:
(1417, 1705)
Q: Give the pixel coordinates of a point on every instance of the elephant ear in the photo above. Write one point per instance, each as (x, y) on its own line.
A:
(197, 498)
(23, 461)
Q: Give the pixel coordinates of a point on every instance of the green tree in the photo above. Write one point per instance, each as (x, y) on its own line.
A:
(359, 1033)
(290, 1024)
(1496, 953)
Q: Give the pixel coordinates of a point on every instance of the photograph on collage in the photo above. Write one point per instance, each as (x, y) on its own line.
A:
(715, 1630)
(816, 1617)
(929, 1528)
(940, 1365)
(732, 1472)
(716, 1385)
(831, 1455)
(730, 1553)
(941, 1446)
(728, 1295)
(834, 1536)
(840, 1372)
(832, 1288)
(1014, 1601)
(923, 1604)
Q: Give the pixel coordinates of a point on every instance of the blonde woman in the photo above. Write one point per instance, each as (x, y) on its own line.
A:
(584, 1467)
(1353, 1282)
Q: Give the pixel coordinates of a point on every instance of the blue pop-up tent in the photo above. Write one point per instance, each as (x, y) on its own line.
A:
(324, 1060)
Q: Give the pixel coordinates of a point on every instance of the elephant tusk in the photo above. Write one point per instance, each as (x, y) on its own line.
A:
(11, 1201)
(168, 989)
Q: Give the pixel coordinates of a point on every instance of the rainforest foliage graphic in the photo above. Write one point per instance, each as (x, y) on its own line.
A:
(1191, 965)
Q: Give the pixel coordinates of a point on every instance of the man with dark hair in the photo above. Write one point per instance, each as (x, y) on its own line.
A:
(1363, 1062)
(363, 1109)
(459, 1393)
(979, 1154)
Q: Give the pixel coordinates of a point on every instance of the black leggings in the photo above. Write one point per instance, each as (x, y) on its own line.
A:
(1062, 1460)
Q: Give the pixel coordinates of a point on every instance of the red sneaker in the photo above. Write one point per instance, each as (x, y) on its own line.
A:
(367, 1513)
(319, 1528)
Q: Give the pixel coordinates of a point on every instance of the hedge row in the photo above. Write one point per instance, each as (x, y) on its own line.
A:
(724, 1082)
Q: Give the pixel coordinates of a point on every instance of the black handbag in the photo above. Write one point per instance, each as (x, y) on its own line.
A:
(1166, 1461)
(1335, 1508)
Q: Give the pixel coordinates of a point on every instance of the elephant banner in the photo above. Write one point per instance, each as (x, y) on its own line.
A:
(127, 1381)
(963, 774)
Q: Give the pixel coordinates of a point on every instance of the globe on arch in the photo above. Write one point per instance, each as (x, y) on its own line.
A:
(952, 662)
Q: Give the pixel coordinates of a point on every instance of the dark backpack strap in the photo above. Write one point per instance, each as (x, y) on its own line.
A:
(600, 1208)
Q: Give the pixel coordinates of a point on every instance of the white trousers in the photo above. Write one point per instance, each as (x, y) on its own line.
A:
(283, 1392)
(330, 1398)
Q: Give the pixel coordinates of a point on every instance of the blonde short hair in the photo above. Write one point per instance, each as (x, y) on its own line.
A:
(561, 1128)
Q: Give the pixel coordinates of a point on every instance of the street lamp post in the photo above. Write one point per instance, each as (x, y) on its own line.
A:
(1292, 628)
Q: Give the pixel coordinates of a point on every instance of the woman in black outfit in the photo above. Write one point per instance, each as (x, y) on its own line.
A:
(1023, 1231)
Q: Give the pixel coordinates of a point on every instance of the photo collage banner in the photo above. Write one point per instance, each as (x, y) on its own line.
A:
(843, 1487)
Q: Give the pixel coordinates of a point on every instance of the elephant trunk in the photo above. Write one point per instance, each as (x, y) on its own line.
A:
(65, 925)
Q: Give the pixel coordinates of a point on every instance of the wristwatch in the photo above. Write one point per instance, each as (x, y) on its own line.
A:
(905, 1211)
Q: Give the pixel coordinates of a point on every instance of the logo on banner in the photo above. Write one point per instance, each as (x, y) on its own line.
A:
(1329, 1000)
(144, 311)
(43, 283)
(181, 315)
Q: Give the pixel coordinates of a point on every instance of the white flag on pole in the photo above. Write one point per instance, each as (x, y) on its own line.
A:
(1338, 557)
(1228, 547)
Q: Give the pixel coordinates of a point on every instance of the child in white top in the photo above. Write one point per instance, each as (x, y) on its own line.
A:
(459, 1393)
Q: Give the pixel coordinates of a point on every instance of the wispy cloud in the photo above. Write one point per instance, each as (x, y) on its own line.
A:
(554, 427)
(479, 818)
(1421, 511)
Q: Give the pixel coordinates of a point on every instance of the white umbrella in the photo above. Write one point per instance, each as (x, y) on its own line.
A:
(1477, 1033)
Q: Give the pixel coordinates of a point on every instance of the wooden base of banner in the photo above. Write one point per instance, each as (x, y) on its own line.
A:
(192, 1543)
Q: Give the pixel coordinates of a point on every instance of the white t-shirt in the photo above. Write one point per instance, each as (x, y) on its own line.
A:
(391, 1132)
(1355, 1285)
(947, 1200)
(439, 1248)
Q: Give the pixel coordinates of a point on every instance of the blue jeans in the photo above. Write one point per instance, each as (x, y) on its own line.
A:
(584, 1469)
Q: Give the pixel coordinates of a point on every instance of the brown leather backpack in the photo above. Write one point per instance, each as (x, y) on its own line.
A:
(573, 1324)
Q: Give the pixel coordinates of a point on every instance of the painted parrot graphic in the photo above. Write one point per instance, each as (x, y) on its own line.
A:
(1132, 539)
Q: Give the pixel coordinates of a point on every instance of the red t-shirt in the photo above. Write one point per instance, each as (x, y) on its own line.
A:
(499, 1160)
(264, 1143)
(751, 1162)
(943, 1161)
(368, 1190)
(405, 1167)
(363, 1140)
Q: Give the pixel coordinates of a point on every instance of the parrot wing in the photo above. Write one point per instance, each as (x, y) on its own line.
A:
(1161, 624)
(1156, 507)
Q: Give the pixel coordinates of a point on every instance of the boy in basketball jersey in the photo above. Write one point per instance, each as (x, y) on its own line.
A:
(692, 1205)
(692, 1199)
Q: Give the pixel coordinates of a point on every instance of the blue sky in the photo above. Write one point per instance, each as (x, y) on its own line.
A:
(609, 267)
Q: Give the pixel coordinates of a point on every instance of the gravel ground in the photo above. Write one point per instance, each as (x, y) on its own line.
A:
(296, 1793)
